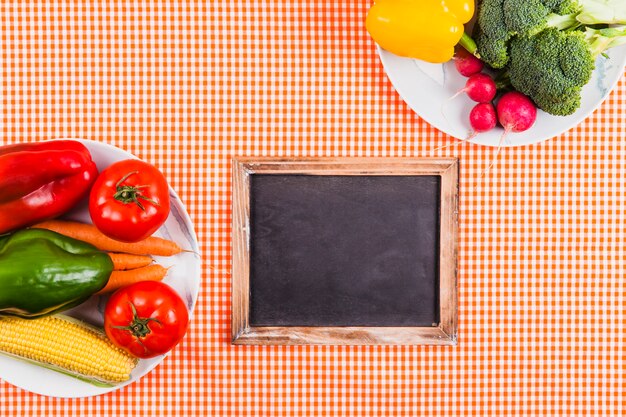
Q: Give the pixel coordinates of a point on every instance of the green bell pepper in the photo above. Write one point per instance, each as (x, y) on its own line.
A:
(43, 272)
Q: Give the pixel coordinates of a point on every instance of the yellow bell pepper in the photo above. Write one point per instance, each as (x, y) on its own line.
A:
(422, 29)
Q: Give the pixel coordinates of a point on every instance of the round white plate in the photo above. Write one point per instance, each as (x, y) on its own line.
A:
(184, 276)
(426, 88)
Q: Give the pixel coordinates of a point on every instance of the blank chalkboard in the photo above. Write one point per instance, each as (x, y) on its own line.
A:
(344, 251)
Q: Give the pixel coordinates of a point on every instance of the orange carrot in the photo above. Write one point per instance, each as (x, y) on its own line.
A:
(89, 233)
(119, 279)
(125, 261)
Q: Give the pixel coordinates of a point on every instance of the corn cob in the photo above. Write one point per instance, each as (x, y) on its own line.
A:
(66, 345)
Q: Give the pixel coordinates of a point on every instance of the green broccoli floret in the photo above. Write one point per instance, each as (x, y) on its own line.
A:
(553, 66)
(526, 20)
(564, 6)
(491, 33)
(499, 21)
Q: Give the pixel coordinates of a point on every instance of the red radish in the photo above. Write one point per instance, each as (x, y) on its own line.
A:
(516, 112)
(479, 87)
(467, 64)
(483, 117)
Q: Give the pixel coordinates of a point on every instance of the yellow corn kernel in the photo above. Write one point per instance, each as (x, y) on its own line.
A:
(66, 345)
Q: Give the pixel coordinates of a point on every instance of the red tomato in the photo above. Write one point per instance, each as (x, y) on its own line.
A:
(129, 200)
(146, 319)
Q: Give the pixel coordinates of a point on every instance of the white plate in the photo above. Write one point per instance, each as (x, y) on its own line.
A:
(426, 88)
(183, 276)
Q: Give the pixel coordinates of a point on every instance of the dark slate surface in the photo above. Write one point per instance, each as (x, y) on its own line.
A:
(344, 250)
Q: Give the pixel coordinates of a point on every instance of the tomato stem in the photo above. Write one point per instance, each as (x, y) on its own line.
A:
(129, 194)
(138, 325)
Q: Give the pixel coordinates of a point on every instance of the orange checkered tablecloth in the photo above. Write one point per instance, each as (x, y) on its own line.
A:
(188, 85)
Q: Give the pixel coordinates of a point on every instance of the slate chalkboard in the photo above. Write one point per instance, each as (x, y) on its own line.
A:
(344, 251)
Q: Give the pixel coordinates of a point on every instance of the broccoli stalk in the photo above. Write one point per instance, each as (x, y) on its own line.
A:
(592, 12)
(562, 22)
(600, 40)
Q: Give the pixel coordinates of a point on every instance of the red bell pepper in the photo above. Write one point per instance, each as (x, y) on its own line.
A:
(42, 180)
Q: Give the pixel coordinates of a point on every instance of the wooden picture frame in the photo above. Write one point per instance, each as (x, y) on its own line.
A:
(444, 333)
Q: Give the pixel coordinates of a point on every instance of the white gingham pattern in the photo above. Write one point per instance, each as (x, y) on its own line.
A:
(189, 85)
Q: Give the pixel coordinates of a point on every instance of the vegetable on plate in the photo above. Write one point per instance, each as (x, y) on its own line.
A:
(42, 180)
(152, 245)
(467, 64)
(49, 264)
(552, 67)
(43, 272)
(547, 49)
(479, 87)
(482, 118)
(427, 30)
(128, 261)
(129, 200)
(119, 279)
(146, 319)
(66, 345)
